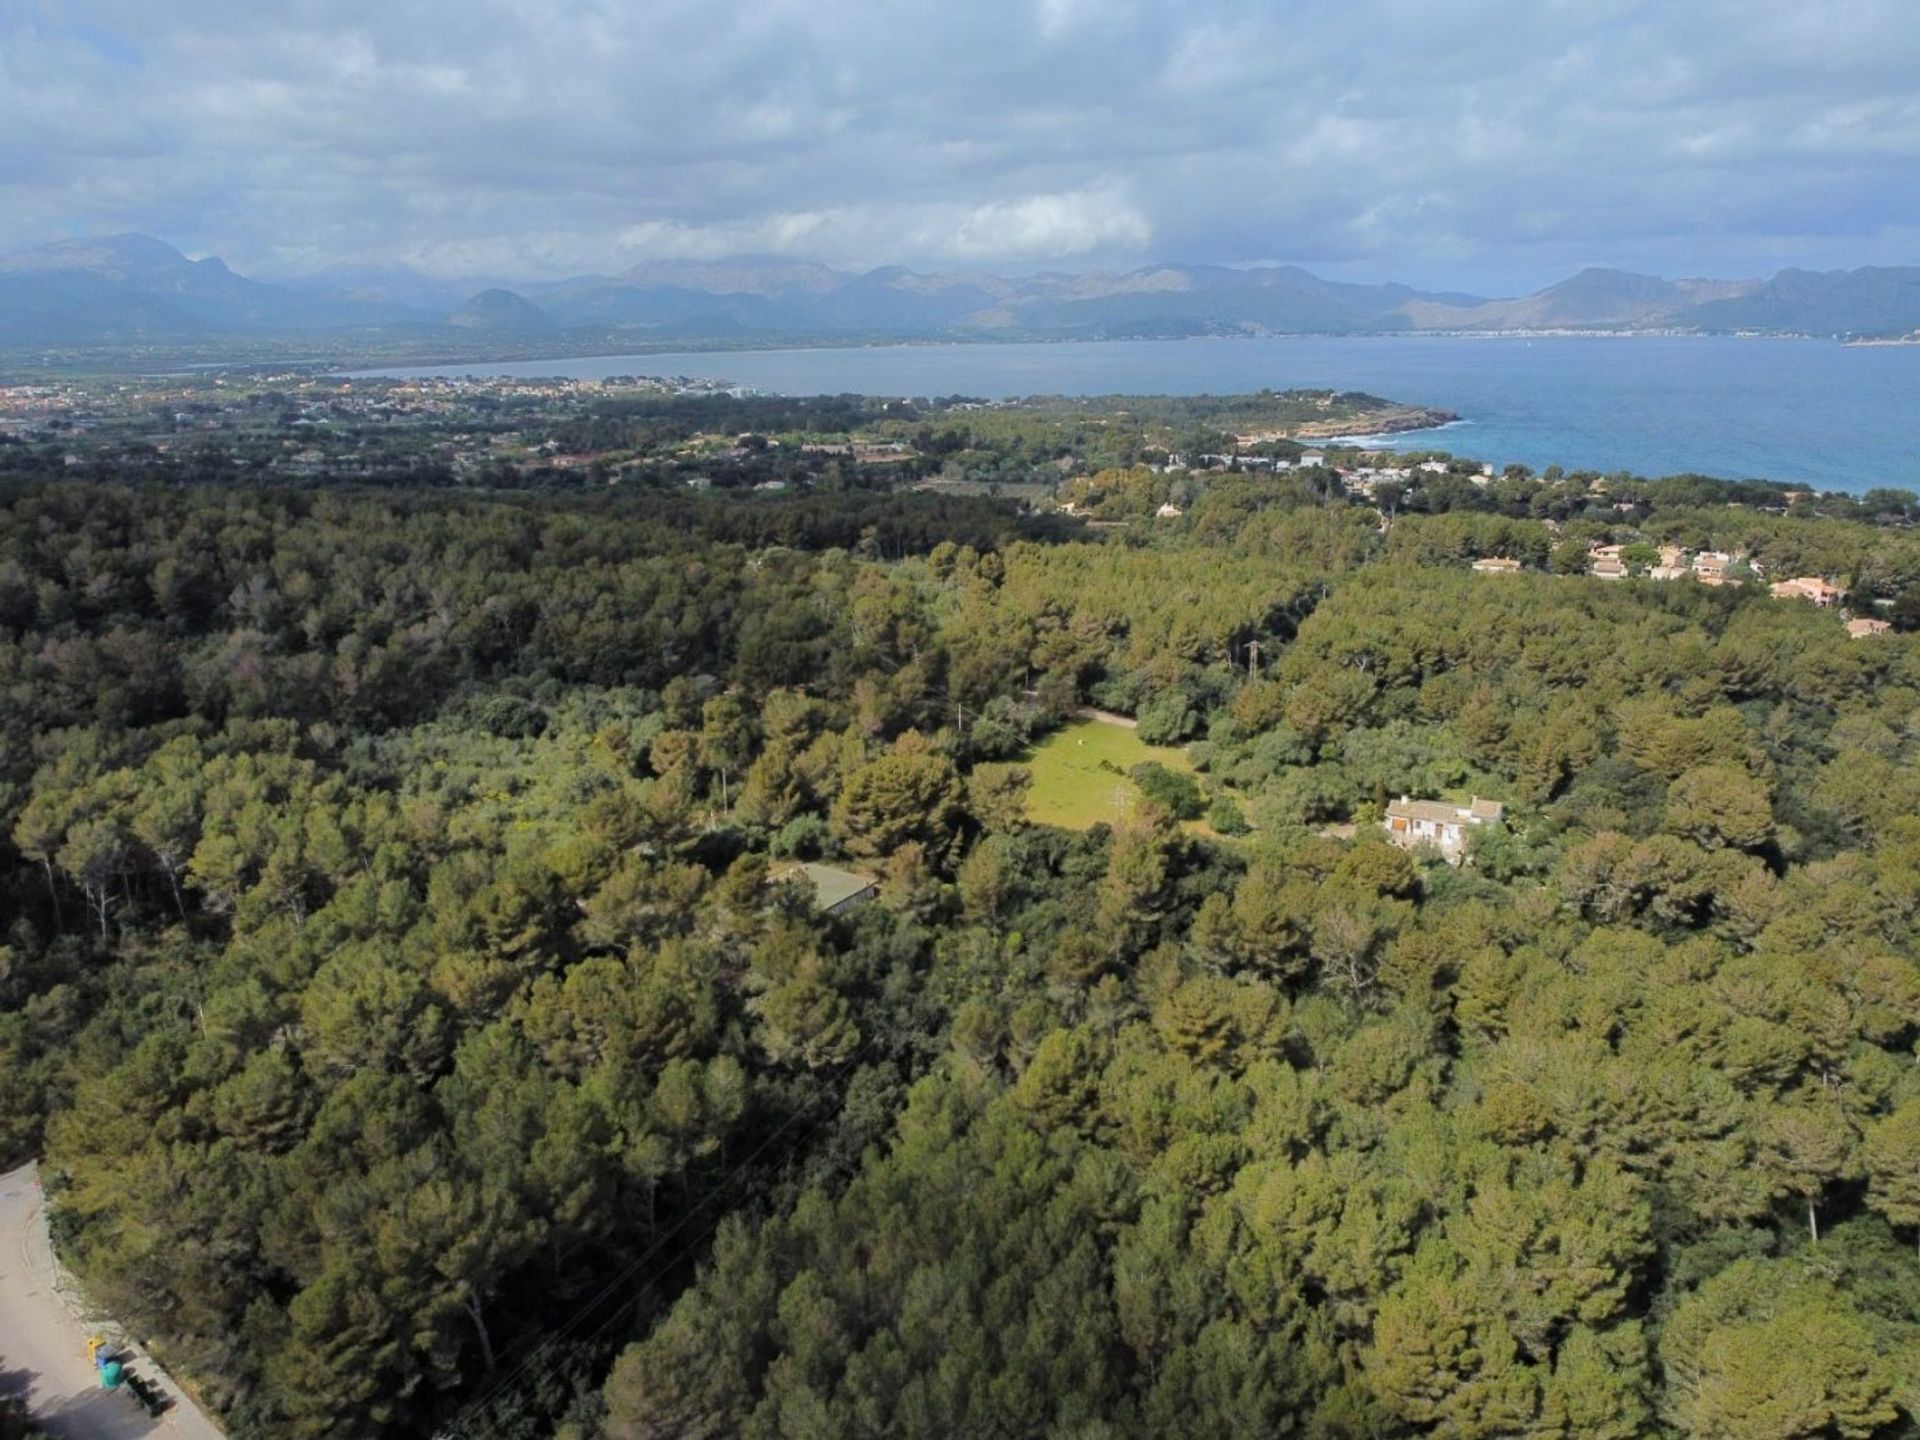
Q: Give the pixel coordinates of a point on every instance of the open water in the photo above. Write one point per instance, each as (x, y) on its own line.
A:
(1813, 412)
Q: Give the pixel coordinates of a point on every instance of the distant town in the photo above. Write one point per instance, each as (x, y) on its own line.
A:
(705, 433)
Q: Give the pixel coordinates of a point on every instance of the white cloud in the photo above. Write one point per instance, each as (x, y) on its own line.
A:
(1031, 227)
(548, 137)
(1050, 226)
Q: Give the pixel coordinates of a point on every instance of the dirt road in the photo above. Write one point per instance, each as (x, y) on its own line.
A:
(43, 1343)
(1106, 717)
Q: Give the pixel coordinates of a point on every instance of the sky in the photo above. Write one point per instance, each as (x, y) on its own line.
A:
(1491, 145)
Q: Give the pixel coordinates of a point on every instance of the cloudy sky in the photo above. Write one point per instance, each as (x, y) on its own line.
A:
(1491, 144)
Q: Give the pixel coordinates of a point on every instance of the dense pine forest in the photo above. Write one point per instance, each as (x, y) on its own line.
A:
(407, 985)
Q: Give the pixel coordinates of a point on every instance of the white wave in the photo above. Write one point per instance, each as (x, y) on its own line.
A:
(1392, 437)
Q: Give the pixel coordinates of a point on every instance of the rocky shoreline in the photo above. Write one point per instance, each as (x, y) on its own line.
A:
(1393, 420)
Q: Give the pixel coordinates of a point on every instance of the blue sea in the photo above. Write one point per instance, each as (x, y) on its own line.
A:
(1812, 412)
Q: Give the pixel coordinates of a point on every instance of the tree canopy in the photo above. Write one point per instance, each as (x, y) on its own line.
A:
(403, 980)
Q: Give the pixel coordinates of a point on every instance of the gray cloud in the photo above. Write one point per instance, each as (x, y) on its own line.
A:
(1478, 141)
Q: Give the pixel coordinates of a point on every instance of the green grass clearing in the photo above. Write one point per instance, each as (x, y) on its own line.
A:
(1071, 790)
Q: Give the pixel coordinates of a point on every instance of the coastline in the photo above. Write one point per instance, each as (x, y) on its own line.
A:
(1375, 439)
(1395, 420)
(1704, 405)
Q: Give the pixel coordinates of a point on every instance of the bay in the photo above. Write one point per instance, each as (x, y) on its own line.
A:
(1812, 412)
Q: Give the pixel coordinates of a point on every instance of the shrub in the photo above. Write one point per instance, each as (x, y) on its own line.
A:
(1171, 791)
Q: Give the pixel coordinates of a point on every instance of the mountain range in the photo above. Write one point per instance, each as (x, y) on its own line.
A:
(135, 290)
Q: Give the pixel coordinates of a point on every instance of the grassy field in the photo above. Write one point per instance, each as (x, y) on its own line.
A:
(1069, 787)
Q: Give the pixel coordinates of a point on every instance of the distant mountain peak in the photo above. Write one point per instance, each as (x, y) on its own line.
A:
(502, 312)
(1605, 279)
(103, 252)
(115, 287)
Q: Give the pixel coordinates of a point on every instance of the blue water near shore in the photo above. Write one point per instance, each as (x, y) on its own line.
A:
(1812, 412)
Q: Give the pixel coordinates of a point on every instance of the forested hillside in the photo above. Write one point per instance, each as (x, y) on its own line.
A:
(404, 985)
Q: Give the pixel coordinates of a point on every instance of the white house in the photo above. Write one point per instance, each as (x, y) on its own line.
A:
(1410, 823)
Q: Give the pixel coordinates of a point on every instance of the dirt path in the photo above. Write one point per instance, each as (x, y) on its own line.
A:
(1106, 717)
(43, 1341)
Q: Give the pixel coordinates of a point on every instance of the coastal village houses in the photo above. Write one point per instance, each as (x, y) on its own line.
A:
(1410, 823)
(1672, 566)
(1808, 587)
(1710, 567)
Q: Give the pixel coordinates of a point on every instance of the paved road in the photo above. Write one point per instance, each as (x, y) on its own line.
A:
(43, 1343)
